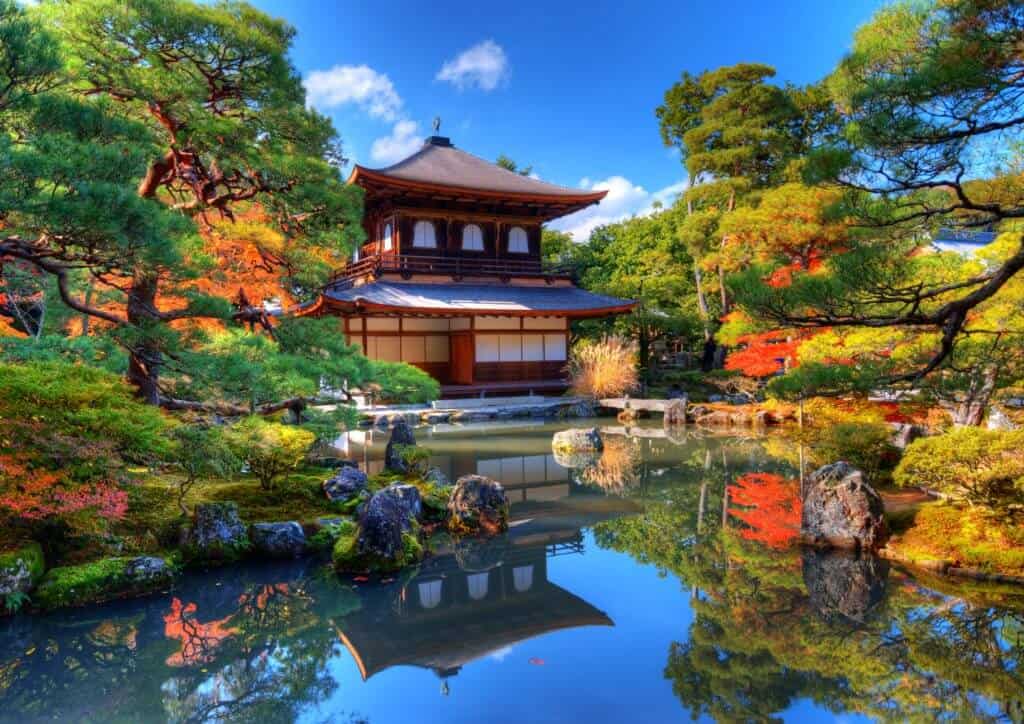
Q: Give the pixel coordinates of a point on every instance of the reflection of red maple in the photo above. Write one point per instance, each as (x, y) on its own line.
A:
(198, 640)
(771, 508)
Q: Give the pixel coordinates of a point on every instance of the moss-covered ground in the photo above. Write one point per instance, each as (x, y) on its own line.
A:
(967, 537)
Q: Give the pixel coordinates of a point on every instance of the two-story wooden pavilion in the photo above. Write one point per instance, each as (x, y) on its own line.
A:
(451, 278)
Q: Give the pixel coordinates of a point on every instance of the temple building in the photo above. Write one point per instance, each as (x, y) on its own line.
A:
(451, 279)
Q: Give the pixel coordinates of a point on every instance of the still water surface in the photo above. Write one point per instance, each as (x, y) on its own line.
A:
(630, 591)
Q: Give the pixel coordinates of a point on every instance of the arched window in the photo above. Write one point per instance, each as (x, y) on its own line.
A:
(423, 235)
(385, 237)
(477, 585)
(430, 593)
(472, 238)
(522, 578)
(517, 241)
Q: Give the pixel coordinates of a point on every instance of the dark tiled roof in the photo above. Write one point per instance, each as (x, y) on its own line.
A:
(494, 298)
(446, 165)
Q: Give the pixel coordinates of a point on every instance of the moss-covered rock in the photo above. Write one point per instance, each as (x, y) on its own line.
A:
(478, 504)
(20, 570)
(102, 580)
(215, 535)
(386, 539)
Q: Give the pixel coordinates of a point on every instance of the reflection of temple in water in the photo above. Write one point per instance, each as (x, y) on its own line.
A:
(470, 600)
(523, 464)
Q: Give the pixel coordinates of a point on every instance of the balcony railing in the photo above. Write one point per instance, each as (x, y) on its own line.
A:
(453, 266)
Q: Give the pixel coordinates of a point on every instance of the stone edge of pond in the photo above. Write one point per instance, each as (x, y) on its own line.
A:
(949, 568)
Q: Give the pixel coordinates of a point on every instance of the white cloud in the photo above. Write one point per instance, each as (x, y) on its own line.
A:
(404, 140)
(485, 66)
(624, 200)
(357, 84)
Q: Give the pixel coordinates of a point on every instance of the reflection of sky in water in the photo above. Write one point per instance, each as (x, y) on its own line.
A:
(541, 625)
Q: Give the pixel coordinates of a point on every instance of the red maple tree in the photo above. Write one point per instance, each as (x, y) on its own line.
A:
(771, 508)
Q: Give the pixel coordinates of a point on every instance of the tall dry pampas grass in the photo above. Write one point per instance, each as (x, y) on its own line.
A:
(605, 368)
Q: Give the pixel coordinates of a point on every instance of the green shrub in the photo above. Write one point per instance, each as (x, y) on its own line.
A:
(865, 445)
(270, 449)
(981, 467)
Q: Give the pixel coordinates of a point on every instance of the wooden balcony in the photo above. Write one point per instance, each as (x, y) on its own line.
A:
(451, 266)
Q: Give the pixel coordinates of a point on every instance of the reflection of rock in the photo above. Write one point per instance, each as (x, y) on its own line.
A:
(841, 510)
(478, 504)
(576, 440)
(278, 540)
(474, 554)
(844, 584)
(401, 435)
(346, 483)
(573, 460)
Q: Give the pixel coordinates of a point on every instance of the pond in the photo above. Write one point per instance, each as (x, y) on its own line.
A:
(636, 590)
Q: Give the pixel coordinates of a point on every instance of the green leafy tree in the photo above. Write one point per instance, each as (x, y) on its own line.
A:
(736, 133)
(128, 126)
(509, 165)
(931, 115)
(201, 451)
(640, 259)
(270, 449)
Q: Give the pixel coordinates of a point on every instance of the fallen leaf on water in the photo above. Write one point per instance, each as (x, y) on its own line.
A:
(30, 651)
(536, 662)
(361, 578)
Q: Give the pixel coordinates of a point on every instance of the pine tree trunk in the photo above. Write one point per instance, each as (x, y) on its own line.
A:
(145, 357)
(971, 410)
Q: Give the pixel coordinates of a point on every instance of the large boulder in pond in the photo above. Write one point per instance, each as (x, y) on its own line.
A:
(385, 539)
(477, 504)
(401, 436)
(408, 496)
(841, 510)
(216, 533)
(278, 540)
(844, 584)
(344, 484)
(577, 440)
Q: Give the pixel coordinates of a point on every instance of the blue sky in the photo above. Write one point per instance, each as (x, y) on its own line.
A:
(567, 88)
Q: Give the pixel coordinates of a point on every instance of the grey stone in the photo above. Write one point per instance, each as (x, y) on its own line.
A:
(21, 571)
(434, 476)
(347, 482)
(381, 526)
(841, 510)
(577, 439)
(278, 540)
(408, 496)
(147, 568)
(905, 433)
(478, 504)
(216, 532)
(401, 436)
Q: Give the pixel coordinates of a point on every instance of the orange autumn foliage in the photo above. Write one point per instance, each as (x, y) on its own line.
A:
(771, 508)
(765, 354)
(199, 640)
(30, 492)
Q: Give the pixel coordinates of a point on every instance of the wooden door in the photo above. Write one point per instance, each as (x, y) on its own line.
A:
(462, 358)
